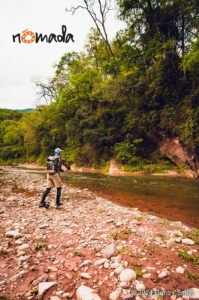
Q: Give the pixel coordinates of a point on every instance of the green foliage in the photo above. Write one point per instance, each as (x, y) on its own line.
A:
(194, 235)
(8, 114)
(191, 60)
(193, 276)
(40, 244)
(122, 234)
(34, 291)
(124, 250)
(139, 272)
(193, 259)
(120, 107)
(78, 253)
(126, 152)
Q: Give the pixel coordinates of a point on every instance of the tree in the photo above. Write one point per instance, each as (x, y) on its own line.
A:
(176, 20)
(98, 11)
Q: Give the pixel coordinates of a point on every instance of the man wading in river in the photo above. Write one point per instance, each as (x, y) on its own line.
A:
(55, 165)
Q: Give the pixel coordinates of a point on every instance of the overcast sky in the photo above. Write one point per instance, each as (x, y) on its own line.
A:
(21, 63)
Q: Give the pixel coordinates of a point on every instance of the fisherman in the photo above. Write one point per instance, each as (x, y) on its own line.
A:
(53, 177)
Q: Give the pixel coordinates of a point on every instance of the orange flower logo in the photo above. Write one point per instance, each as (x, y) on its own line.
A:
(28, 37)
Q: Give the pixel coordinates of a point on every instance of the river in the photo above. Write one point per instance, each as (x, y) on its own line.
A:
(172, 198)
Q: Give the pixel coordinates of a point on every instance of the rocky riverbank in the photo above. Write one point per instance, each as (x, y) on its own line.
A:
(90, 249)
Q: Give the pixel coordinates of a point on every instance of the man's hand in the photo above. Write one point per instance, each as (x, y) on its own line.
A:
(64, 168)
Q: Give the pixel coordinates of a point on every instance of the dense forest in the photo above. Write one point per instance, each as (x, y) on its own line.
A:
(121, 98)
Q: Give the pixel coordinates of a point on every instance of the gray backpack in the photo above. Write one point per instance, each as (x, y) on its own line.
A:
(51, 165)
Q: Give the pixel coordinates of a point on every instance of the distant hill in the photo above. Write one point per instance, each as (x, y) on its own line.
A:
(25, 110)
(13, 114)
(10, 114)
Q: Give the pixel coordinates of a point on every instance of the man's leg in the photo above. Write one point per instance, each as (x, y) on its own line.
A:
(43, 202)
(58, 196)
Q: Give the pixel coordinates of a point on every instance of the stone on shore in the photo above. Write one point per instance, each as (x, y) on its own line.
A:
(44, 287)
(140, 286)
(115, 294)
(127, 275)
(109, 251)
(188, 241)
(180, 270)
(13, 234)
(85, 275)
(24, 247)
(86, 293)
(42, 278)
(163, 274)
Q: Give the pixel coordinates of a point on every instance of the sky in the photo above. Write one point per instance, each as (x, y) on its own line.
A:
(22, 64)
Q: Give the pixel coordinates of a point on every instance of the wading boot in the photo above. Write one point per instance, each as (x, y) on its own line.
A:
(45, 205)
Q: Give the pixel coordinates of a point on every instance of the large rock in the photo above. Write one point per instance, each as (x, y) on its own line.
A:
(44, 287)
(127, 275)
(109, 251)
(86, 293)
(177, 152)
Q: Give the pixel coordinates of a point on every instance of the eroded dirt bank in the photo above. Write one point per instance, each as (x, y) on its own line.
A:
(119, 252)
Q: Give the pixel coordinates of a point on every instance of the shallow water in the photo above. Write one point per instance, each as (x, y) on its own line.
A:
(176, 199)
(173, 198)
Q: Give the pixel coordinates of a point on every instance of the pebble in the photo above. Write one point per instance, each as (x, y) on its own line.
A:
(124, 285)
(42, 226)
(67, 295)
(180, 270)
(24, 247)
(140, 286)
(13, 234)
(86, 263)
(118, 224)
(23, 258)
(59, 293)
(106, 265)
(170, 243)
(86, 293)
(127, 275)
(17, 276)
(110, 221)
(188, 241)
(44, 287)
(163, 274)
(119, 270)
(100, 261)
(85, 275)
(109, 251)
(178, 240)
(42, 278)
(115, 294)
